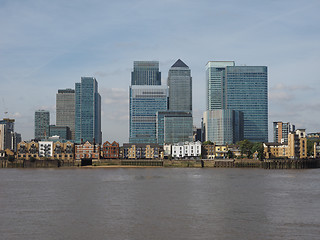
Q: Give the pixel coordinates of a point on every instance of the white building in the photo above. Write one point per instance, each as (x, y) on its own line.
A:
(45, 149)
(186, 150)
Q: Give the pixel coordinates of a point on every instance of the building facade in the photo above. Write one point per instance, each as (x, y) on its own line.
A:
(223, 126)
(62, 131)
(65, 110)
(240, 88)
(174, 127)
(87, 150)
(145, 102)
(111, 150)
(180, 87)
(87, 111)
(297, 143)
(186, 150)
(281, 131)
(41, 124)
(141, 151)
(145, 73)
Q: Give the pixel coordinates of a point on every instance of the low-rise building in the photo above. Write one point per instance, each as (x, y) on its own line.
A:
(142, 151)
(316, 150)
(276, 150)
(186, 150)
(28, 150)
(110, 150)
(208, 151)
(87, 150)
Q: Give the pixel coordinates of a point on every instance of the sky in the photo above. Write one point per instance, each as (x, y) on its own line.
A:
(48, 45)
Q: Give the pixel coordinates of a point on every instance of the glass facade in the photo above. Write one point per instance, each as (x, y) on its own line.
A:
(180, 87)
(247, 91)
(174, 127)
(41, 124)
(223, 126)
(145, 102)
(65, 110)
(88, 111)
(145, 73)
(62, 132)
(240, 88)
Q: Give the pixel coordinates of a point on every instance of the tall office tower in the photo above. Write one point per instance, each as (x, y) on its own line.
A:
(145, 102)
(174, 127)
(41, 124)
(145, 73)
(281, 131)
(240, 88)
(88, 111)
(65, 110)
(180, 87)
(7, 134)
(223, 126)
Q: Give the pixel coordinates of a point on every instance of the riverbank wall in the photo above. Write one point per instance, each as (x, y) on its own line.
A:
(204, 163)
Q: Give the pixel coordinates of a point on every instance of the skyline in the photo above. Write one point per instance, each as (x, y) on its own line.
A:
(46, 46)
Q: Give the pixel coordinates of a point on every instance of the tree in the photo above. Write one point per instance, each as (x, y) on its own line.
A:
(245, 147)
(230, 154)
(258, 147)
(207, 143)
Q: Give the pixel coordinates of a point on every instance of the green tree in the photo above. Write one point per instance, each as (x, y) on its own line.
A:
(207, 143)
(310, 146)
(230, 154)
(258, 147)
(245, 147)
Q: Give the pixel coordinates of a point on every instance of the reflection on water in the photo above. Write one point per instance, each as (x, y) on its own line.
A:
(159, 203)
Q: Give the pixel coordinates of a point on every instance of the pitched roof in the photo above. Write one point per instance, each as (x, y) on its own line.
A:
(179, 63)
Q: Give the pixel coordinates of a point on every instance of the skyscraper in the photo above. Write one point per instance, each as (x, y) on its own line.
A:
(180, 87)
(88, 111)
(240, 88)
(145, 102)
(145, 73)
(65, 110)
(41, 124)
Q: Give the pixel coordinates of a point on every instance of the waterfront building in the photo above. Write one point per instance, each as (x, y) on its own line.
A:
(87, 111)
(65, 110)
(240, 88)
(145, 102)
(62, 131)
(222, 126)
(7, 134)
(145, 73)
(28, 150)
(41, 124)
(208, 150)
(316, 149)
(276, 150)
(87, 150)
(281, 131)
(45, 149)
(297, 143)
(142, 151)
(110, 150)
(174, 126)
(186, 150)
(180, 87)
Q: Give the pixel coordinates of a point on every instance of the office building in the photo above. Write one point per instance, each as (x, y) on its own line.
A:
(180, 87)
(41, 124)
(281, 131)
(87, 111)
(145, 102)
(240, 88)
(65, 110)
(62, 131)
(223, 126)
(174, 127)
(145, 73)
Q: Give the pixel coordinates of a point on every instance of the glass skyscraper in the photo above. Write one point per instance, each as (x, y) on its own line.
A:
(180, 87)
(87, 111)
(145, 102)
(145, 73)
(65, 110)
(174, 127)
(240, 88)
(41, 124)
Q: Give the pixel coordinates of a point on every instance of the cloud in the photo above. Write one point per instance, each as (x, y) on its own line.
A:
(115, 96)
(280, 96)
(281, 86)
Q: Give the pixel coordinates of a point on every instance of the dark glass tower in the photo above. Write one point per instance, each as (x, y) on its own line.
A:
(41, 124)
(145, 73)
(88, 111)
(180, 87)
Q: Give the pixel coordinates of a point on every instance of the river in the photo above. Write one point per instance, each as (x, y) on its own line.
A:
(159, 203)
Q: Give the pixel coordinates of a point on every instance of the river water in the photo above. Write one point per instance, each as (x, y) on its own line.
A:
(159, 203)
